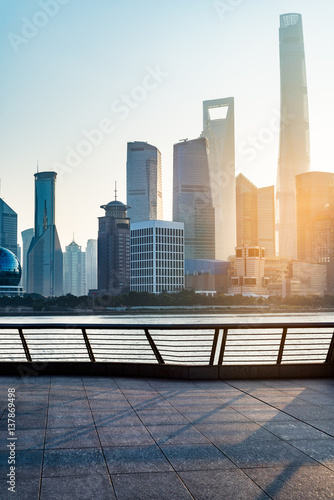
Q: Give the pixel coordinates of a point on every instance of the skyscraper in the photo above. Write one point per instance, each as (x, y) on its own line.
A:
(157, 262)
(294, 149)
(218, 128)
(45, 257)
(91, 264)
(8, 227)
(27, 236)
(315, 202)
(113, 246)
(255, 215)
(246, 209)
(266, 219)
(192, 198)
(74, 270)
(144, 182)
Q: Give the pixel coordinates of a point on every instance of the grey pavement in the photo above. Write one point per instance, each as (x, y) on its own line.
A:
(120, 438)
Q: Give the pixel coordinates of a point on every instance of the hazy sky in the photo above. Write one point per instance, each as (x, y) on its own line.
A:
(139, 70)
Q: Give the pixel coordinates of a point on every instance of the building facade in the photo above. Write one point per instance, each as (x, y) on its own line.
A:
(8, 227)
(192, 198)
(45, 257)
(144, 182)
(249, 276)
(294, 148)
(74, 270)
(91, 264)
(246, 211)
(27, 235)
(315, 221)
(255, 215)
(266, 219)
(113, 246)
(157, 258)
(218, 128)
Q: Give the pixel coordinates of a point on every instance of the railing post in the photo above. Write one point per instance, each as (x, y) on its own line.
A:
(25, 345)
(214, 347)
(88, 346)
(222, 348)
(281, 347)
(330, 354)
(154, 347)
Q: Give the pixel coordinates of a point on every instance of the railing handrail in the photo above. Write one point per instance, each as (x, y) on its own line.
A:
(174, 326)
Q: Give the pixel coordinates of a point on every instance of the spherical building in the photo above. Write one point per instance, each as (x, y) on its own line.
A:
(10, 273)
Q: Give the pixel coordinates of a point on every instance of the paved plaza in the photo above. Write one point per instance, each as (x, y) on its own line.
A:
(105, 438)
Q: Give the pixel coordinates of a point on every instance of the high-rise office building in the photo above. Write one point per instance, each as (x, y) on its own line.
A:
(218, 128)
(266, 219)
(91, 264)
(246, 210)
(8, 227)
(144, 182)
(74, 270)
(192, 198)
(157, 260)
(314, 195)
(45, 257)
(113, 249)
(27, 236)
(294, 149)
(255, 215)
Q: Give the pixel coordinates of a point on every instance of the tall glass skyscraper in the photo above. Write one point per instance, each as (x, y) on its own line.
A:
(218, 128)
(74, 270)
(144, 182)
(91, 264)
(294, 149)
(27, 235)
(192, 198)
(45, 257)
(8, 227)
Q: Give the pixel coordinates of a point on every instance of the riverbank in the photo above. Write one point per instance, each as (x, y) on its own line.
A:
(140, 310)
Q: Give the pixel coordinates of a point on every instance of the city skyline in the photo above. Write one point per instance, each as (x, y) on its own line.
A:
(53, 103)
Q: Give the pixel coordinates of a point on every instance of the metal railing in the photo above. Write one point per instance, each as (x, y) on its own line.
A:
(204, 345)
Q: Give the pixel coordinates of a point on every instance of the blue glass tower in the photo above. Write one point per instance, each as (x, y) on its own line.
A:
(45, 257)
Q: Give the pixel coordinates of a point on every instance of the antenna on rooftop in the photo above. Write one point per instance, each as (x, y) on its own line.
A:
(115, 190)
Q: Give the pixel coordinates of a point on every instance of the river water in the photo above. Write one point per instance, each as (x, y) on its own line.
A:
(186, 347)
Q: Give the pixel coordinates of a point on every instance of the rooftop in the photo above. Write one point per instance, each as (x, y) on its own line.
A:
(126, 438)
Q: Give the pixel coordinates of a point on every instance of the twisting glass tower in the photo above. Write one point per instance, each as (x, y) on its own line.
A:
(294, 149)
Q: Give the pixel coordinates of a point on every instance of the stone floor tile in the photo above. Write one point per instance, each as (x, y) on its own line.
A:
(295, 483)
(73, 462)
(221, 485)
(321, 450)
(196, 457)
(69, 420)
(327, 426)
(25, 489)
(88, 487)
(129, 459)
(268, 452)
(176, 434)
(115, 418)
(150, 486)
(134, 435)
(293, 430)
(161, 416)
(77, 437)
(28, 464)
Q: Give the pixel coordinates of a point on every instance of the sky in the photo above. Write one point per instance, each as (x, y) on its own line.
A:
(81, 78)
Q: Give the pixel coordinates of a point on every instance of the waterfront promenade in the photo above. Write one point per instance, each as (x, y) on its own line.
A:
(130, 438)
